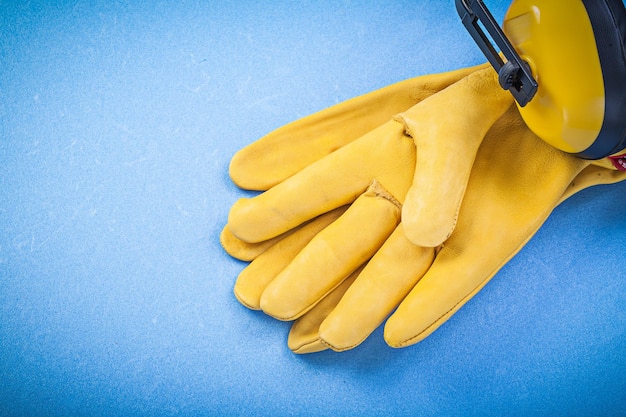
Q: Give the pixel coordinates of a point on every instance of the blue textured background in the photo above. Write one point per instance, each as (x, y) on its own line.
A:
(117, 123)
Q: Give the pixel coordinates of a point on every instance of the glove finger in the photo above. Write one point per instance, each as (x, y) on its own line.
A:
(385, 153)
(446, 143)
(332, 256)
(291, 148)
(304, 336)
(505, 204)
(253, 280)
(381, 286)
(245, 251)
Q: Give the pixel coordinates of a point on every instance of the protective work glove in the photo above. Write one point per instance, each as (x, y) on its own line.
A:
(291, 148)
(506, 202)
(475, 252)
(381, 155)
(372, 174)
(286, 151)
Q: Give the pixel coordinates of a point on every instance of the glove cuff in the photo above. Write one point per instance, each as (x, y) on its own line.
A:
(618, 161)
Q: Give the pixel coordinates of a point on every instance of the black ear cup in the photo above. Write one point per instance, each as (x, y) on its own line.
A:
(608, 20)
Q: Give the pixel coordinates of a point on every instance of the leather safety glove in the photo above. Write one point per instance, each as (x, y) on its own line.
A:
(287, 150)
(291, 148)
(440, 168)
(382, 163)
(341, 321)
(516, 183)
(503, 210)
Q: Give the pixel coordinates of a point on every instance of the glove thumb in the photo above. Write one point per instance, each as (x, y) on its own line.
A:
(447, 128)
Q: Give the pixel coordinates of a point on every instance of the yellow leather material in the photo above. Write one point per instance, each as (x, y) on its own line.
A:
(331, 256)
(246, 251)
(289, 149)
(516, 182)
(384, 160)
(373, 296)
(253, 280)
(304, 336)
(384, 282)
(343, 282)
(284, 152)
(386, 155)
(593, 175)
(447, 128)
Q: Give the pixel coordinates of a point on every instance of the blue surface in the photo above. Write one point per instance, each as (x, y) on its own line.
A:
(117, 125)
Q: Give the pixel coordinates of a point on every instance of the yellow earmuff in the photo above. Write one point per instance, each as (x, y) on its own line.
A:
(566, 67)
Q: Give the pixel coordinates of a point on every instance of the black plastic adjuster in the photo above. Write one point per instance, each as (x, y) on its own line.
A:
(515, 74)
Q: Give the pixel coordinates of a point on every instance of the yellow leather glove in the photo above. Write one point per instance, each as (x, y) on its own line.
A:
(382, 155)
(503, 209)
(286, 151)
(381, 162)
(289, 149)
(479, 247)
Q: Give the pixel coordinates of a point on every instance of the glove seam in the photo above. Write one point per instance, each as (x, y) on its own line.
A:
(379, 191)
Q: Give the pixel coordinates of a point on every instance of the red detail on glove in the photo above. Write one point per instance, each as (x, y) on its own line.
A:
(619, 161)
